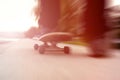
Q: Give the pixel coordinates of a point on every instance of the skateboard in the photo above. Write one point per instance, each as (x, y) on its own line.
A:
(50, 41)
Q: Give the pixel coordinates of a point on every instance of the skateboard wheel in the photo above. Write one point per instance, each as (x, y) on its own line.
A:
(66, 50)
(41, 49)
(36, 46)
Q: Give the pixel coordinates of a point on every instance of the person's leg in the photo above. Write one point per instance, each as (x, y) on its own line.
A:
(95, 27)
(49, 16)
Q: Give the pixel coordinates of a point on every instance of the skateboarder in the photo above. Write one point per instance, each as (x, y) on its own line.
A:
(95, 28)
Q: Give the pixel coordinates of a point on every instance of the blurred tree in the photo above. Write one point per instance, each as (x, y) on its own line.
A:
(37, 9)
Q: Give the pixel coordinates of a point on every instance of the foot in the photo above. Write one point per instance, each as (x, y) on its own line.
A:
(99, 48)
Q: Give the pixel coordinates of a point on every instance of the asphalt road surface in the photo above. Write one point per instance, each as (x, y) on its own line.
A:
(19, 61)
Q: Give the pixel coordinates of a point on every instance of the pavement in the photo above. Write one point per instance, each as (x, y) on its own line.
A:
(19, 61)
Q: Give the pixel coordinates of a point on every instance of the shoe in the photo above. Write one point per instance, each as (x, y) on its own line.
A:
(98, 48)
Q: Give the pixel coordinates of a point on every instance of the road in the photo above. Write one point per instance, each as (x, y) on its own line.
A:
(19, 61)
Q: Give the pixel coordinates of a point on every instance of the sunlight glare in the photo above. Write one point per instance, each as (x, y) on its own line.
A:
(113, 3)
(116, 2)
(16, 15)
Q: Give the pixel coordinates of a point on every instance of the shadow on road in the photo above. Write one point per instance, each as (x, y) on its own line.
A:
(62, 54)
